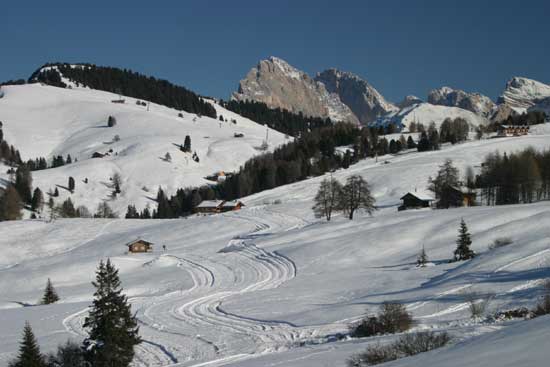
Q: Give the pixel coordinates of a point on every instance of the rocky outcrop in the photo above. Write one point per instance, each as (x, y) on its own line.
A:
(279, 85)
(362, 98)
(477, 103)
(409, 101)
(523, 93)
(502, 112)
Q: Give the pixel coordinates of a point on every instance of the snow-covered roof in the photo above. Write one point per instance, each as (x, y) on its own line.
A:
(420, 195)
(210, 204)
(231, 204)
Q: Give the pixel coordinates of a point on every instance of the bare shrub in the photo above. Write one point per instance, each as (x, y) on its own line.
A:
(500, 242)
(411, 344)
(392, 318)
(407, 345)
(543, 307)
(478, 304)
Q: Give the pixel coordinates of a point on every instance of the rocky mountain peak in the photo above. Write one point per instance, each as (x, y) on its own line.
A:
(477, 103)
(279, 85)
(362, 98)
(524, 93)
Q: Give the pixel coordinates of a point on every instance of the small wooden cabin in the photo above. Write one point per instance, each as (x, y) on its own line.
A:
(229, 206)
(513, 130)
(209, 207)
(416, 200)
(139, 246)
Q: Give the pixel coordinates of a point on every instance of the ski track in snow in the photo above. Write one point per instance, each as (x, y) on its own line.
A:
(191, 325)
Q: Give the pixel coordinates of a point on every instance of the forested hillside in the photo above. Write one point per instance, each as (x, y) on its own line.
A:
(125, 82)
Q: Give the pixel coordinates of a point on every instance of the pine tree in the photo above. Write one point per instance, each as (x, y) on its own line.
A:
(37, 200)
(50, 295)
(56, 192)
(111, 121)
(29, 351)
(422, 258)
(10, 204)
(71, 184)
(113, 330)
(187, 144)
(463, 243)
(23, 183)
(51, 208)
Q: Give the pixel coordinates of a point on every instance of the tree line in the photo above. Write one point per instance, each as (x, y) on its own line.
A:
(278, 119)
(521, 177)
(128, 83)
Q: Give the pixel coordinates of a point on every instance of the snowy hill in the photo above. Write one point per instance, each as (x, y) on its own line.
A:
(44, 121)
(427, 113)
(272, 285)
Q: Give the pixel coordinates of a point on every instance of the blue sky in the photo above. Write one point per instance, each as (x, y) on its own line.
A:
(400, 47)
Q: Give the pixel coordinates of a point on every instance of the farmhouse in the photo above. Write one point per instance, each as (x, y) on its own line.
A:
(209, 206)
(139, 245)
(416, 200)
(232, 205)
(218, 206)
(513, 130)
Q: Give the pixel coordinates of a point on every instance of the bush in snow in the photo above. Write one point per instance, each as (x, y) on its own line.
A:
(68, 355)
(500, 242)
(407, 345)
(543, 307)
(392, 318)
(478, 304)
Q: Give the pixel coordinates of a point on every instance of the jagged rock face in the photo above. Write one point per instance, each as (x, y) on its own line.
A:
(409, 101)
(279, 85)
(477, 103)
(524, 93)
(502, 112)
(365, 101)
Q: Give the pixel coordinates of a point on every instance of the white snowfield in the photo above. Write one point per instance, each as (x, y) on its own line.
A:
(427, 113)
(271, 285)
(44, 121)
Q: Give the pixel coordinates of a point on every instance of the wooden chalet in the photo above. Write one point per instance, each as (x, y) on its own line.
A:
(139, 245)
(218, 206)
(513, 130)
(229, 206)
(416, 200)
(209, 207)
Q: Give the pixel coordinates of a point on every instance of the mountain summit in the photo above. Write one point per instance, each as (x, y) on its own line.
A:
(524, 93)
(362, 98)
(477, 103)
(280, 85)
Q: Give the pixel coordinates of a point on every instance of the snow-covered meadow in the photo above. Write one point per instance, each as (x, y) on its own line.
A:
(271, 285)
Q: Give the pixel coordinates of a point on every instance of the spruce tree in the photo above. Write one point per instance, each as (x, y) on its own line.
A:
(113, 330)
(37, 200)
(29, 351)
(422, 258)
(463, 243)
(71, 184)
(50, 295)
(10, 204)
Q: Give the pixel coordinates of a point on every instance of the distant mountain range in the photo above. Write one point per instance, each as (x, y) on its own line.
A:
(344, 96)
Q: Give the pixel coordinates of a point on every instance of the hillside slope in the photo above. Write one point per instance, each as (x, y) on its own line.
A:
(44, 121)
(271, 284)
